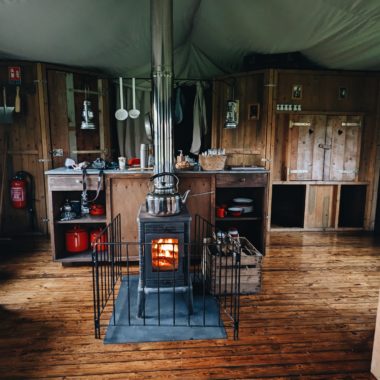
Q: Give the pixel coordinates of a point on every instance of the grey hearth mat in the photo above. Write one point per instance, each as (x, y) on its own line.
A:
(130, 329)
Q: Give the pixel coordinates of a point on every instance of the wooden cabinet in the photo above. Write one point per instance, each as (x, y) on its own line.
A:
(323, 147)
(244, 185)
(69, 187)
(124, 194)
(318, 206)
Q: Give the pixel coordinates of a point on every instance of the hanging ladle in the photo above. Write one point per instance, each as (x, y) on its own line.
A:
(134, 113)
(121, 114)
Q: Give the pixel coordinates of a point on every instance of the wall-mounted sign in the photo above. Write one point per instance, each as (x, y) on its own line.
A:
(14, 74)
(297, 91)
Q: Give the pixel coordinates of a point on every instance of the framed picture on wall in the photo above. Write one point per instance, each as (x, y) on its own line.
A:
(254, 111)
(297, 91)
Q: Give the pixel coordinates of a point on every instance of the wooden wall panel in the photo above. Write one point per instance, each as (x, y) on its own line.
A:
(24, 152)
(320, 90)
(246, 144)
(59, 122)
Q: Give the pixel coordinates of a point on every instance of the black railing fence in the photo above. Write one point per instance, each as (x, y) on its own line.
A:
(214, 273)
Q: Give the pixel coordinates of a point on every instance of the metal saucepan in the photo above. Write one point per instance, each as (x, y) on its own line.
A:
(148, 127)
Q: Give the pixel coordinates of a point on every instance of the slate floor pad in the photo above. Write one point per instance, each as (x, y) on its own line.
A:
(171, 324)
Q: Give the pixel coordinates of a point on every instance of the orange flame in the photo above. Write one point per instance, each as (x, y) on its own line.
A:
(165, 254)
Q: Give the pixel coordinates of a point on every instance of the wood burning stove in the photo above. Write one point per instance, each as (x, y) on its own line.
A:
(164, 256)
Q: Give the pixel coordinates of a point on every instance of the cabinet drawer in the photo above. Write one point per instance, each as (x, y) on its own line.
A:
(72, 182)
(241, 180)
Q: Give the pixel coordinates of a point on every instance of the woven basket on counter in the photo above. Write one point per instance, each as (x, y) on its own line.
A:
(216, 162)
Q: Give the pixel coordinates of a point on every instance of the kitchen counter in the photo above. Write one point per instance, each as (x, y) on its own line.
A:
(123, 191)
(65, 171)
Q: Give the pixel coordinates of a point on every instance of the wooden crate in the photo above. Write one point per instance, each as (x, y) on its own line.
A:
(221, 271)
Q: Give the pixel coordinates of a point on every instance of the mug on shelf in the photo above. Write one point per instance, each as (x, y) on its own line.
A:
(221, 212)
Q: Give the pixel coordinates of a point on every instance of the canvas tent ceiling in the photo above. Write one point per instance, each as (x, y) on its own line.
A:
(211, 37)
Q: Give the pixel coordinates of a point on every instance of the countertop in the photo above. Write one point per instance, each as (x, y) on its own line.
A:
(65, 171)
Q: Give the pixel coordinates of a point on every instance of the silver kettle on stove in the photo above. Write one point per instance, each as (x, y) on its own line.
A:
(164, 199)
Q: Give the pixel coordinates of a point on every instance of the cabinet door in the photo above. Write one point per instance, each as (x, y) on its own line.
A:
(321, 206)
(200, 200)
(127, 195)
(343, 134)
(307, 133)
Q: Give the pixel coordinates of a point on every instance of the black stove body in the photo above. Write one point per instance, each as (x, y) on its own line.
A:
(164, 256)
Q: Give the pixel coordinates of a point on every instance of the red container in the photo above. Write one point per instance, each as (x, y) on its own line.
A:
(103, 238)
(97, 209)
(76, 240)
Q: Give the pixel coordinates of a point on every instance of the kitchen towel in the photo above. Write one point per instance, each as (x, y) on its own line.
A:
(200, 119)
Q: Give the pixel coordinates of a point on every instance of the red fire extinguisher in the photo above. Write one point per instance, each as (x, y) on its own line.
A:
(18, 191)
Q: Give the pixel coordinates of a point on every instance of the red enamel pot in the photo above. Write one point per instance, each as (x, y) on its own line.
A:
(94, 235)
(76, 240)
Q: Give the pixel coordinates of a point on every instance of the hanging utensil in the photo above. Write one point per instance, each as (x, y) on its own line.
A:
(134, 113)
(121, 114)
(6, 114)
(148, 127)
(17, 100)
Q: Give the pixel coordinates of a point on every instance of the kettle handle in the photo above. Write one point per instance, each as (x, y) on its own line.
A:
(164, 174)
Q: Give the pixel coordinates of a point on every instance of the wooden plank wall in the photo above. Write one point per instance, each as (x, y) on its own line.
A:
(245, 145)
(59, 123)
(25, 151)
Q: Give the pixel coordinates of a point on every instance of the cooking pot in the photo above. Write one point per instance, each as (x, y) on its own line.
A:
(94, 235)
(97, 209)
(165, 200)
(76, 239)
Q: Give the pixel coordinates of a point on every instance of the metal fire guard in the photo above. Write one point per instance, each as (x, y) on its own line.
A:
(213, 274)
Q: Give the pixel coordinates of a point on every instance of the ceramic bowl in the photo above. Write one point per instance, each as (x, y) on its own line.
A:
(235, 211)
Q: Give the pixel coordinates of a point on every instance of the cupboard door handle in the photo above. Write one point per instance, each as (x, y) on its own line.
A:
(242, 179)
(299, 124)
(353, 124)
(78, 181)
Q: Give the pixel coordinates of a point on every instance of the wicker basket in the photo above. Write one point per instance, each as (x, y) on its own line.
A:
(212, 162)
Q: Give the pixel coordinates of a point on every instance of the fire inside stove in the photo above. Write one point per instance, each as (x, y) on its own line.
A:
(165, 254)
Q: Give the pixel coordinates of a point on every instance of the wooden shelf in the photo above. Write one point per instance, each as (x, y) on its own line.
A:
(84, 219)
(81, 257)
(237, 218)
(319, 183)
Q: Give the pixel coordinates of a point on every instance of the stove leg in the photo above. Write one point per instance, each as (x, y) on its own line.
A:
(140, 303)
(190, 300)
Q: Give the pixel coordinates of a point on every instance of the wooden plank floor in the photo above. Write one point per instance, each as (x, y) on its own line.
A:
(314, 319)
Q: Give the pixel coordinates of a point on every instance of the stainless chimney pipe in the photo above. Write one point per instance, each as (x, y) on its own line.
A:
(162, 88)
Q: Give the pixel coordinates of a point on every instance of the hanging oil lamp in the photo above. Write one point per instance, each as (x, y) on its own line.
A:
(87, 113)
(232, 112)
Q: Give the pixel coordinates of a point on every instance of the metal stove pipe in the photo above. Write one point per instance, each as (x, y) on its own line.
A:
(162, 88)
